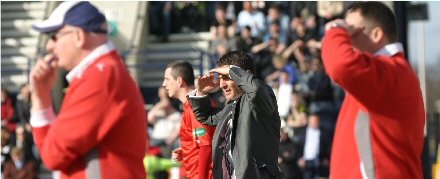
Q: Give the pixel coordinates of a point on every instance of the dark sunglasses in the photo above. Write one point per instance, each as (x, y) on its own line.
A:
(55, 35)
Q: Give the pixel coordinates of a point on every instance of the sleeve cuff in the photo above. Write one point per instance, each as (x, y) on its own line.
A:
(193, 93)
(42, 117)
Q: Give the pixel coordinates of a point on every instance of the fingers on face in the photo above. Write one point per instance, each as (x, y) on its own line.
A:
(41, 69)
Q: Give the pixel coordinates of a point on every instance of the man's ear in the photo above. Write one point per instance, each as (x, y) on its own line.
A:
(180, 81)
(377, 35)
(79, 36)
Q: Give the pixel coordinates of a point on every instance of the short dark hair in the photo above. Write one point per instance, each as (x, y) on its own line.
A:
(183, 69)
(237, 58)
(378, 14)
(275, 7)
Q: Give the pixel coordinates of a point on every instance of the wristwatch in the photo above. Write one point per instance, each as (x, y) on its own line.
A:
(336, 25)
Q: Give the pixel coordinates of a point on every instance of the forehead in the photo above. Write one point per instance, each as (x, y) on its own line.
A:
(168, 73)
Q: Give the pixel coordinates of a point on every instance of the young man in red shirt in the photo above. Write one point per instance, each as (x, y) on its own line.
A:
(195, 138)
(379, 133)
(100, 131)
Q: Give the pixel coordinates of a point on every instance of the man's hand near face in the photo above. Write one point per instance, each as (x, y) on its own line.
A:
(341, 23)
(206, 84)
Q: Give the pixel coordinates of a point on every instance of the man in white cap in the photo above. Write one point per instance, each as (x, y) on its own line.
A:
(100, 131)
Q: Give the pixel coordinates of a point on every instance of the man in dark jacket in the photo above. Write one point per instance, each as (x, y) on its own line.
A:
(246, 140)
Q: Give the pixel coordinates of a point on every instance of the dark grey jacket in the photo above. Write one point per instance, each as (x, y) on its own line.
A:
(257, 132)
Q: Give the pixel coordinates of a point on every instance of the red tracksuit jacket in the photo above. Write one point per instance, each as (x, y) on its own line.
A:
(379, 132)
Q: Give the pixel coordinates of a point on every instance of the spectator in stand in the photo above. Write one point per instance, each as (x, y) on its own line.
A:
(301, 37)
(20, 167)
(160, 18)
(274, 14)
(380, 128)
(284, 94)
(5, 146)
(297, 114)
(314, 150)
(23, 107)
(165, 119)
(245, 42)
(195, 138)
(320, 96)
(9, 119)
(281, 64)
(275, 32)
(264, 53)
(304, 10)
(24, 141)
(101, 129)
(232, 9)
(282, 80)
(220, 19)
(252, 18)
(288, 154)
(189, 15)
(223, 43)
(283, 6)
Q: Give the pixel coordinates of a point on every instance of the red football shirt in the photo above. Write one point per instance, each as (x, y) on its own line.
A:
(193, 134)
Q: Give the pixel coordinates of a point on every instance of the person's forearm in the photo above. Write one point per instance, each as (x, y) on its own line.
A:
(257, 48)
(289, 50)
(152, 114)
(40, 102)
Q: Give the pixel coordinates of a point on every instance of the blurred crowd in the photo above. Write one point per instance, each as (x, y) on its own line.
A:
(284, 40)
(20, 157)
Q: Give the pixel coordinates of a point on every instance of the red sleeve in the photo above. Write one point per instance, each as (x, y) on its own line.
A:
(366, 77)
(82, 122)
(204, 161)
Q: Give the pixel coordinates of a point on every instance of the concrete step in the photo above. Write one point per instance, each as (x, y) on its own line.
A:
(23, 6)
(196, 36)
(26, 51)
(7, 33)
(23, 15)
(168, 55)
(21, 24)
(19, 42)
(14, 60)
(13, 82)
(196, 45)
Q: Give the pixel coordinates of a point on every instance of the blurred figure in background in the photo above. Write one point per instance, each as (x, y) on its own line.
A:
(195, 137)
(20, 167)
(379, 133)
(23, 106)
(9, 119)
(101, 129)
(252, 18)
(245, 42)
(220, 19)
(314, 150)
(288, 154)
(165, 119)
(223, 43)
(5, 146)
